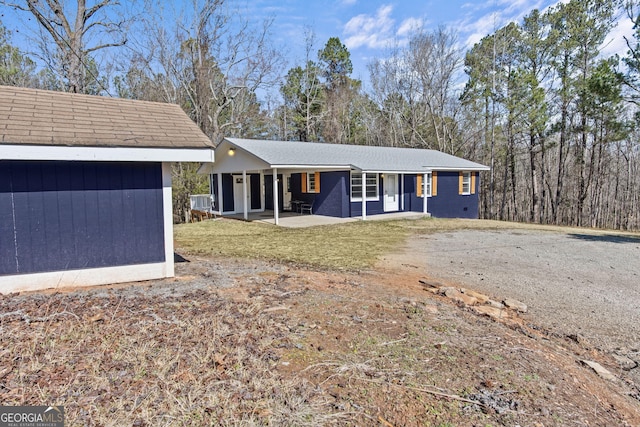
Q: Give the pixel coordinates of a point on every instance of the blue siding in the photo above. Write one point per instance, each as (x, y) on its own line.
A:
(214, 191)
(57, 216)
(409, 192)
(227, 193)
(333, 199)
(297, 194)
(254, 190)
(268, 192)
(447, 203)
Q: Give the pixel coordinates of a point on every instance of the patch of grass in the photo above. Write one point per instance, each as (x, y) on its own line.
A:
(350, 246)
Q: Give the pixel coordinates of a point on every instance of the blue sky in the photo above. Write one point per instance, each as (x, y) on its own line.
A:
(368, 27)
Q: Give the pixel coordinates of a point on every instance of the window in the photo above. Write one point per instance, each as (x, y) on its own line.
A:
(371, 187)
(311, 182)
(465, 186)
(432, 184)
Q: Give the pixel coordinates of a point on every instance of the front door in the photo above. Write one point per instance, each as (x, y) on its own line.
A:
(238, 205)
(391, 196)
(286, 191)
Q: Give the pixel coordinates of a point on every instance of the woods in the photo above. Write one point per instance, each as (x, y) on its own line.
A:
(536, 100)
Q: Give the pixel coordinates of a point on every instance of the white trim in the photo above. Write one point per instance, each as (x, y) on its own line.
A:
(315, 184)
(108, 154)
(167, 212)
(364, 196)
(364, 188)
(402, 192)
(262, 192)
(465, 174)
(219, 184)
(312, 167)
(245, 213)
(395, 205)
(86, 277)
(276, 214)
(424, 193)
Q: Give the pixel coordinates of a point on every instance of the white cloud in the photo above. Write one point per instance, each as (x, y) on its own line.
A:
(499, 13)
(615, 42)
(409, 26)
(348, 2)
(370, 31)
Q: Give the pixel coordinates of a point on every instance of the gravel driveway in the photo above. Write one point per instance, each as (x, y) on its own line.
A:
(575, 284)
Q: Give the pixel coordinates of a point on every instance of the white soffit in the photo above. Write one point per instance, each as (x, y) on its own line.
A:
(107, 154)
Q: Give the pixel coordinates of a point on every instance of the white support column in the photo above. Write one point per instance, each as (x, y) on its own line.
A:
(220, 208)
(245, 211)
(364, 196)
(167, 207)
(402, 192)
(424, 193)
(276, 214)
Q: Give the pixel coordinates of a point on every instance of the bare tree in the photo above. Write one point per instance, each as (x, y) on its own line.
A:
(76, 33)
(435, 58)
(214, 64)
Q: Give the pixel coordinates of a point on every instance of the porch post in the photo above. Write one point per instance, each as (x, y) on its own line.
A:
(364, 196)
(424, 193)
(244, 195)
(220, 208)
(402, 192)
(276, 214)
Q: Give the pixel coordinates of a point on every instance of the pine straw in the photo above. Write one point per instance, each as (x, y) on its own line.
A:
(118, 360)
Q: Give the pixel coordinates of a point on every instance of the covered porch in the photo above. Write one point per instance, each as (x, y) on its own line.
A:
(252, 179)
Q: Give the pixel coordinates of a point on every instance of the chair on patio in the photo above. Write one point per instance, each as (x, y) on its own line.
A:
(306, 207)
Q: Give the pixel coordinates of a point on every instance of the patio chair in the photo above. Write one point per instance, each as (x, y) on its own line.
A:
(306, 207)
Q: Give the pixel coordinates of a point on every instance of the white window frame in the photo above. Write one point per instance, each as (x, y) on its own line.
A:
(311, 188)
(429, 185)
(466, 182)
(358, 175)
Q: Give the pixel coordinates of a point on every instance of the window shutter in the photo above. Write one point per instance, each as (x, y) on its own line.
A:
(460, 181)
(434, 183)
(317, 182)
(420, 186)
(304, 182)
(473, 182)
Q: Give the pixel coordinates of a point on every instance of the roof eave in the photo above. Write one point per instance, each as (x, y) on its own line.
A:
(315, 167)
(113, 154)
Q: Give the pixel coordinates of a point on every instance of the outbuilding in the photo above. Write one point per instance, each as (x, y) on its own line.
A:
(340, 180)
(85, 187)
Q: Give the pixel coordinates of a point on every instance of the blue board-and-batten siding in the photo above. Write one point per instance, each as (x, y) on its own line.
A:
(448, 203)
(334, 198)
(58, 216)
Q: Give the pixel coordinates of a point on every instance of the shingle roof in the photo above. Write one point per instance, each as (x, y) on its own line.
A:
(362, 157)
(41, 117)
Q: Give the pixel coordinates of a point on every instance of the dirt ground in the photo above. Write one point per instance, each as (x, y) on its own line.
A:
(244, 342)
(580, 285)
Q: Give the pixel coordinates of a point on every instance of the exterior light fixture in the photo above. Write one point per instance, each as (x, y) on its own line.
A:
(232, 151)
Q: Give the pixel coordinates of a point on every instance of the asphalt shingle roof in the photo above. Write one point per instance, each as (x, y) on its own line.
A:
(362, 157)
(42, 117)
